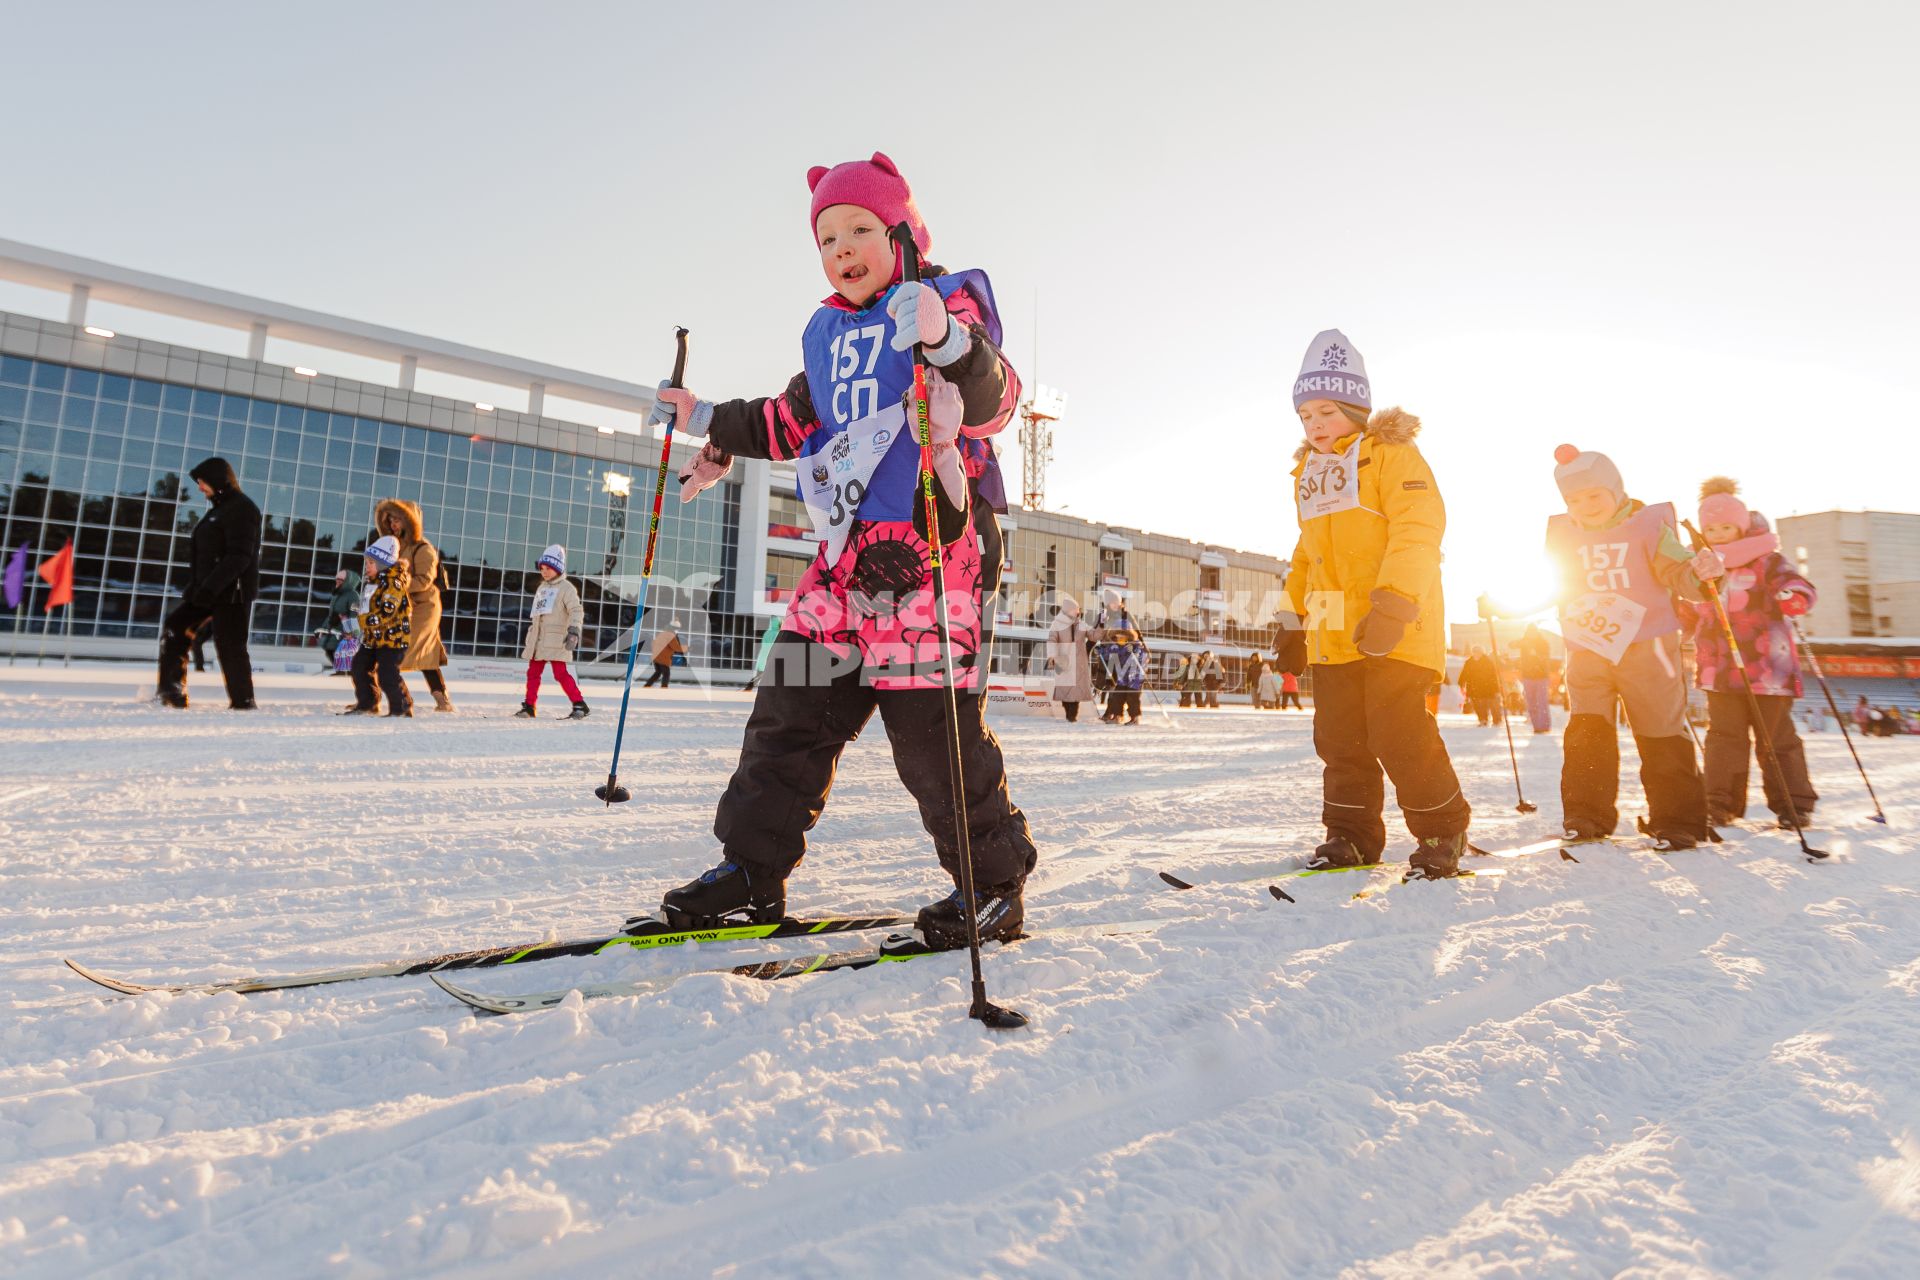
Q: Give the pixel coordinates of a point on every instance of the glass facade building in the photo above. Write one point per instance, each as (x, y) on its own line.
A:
(99, 431)
(103, 459)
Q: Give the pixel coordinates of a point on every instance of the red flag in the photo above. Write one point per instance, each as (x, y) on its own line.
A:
(59, 575)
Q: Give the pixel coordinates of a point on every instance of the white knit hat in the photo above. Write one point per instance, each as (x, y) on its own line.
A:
(1332, 370)
(1584, 469)
(555, 558)
(385, 552)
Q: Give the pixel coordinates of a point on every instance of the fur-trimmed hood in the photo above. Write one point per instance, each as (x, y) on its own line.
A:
(1388, 426)
(407, 511)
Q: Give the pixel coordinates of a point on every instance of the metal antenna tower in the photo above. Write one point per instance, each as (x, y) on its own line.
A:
(1044, 408)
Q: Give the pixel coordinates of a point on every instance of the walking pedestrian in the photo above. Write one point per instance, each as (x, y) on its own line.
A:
(223, 578)
(665, 648)
(425, 653)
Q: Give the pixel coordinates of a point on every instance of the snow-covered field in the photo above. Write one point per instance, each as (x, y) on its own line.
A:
(1703, 1065)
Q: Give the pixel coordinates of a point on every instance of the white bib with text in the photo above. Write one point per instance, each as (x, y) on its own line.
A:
(1329, 482)
(1602, 622)
(835, 479)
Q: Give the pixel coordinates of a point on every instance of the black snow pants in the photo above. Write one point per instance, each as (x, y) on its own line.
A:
(1369, 715)
(1732, 742)
(807, 709)
(229, 622)
(382, 664)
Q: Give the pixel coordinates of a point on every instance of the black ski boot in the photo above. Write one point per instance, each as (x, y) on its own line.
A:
(172, 697)
(357, 710)
(1339, 851)
(1438, 857)
(580, 711)
(1001, 912)
(727, 894)
(1585, 833)
(1667, 841)
(525, 712)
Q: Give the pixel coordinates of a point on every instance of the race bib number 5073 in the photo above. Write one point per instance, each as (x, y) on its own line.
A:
(1329, 482)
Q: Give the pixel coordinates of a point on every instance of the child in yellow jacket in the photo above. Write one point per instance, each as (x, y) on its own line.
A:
(1365, 590)
(386, 613)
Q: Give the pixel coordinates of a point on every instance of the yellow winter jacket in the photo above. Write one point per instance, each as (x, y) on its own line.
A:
(386, 620)
(1389, 539)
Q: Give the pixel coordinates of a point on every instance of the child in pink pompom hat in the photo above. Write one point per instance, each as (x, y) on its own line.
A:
(1762, 593)
(860, 634)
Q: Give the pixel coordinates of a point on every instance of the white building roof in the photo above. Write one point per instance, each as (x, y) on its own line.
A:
(49, 269)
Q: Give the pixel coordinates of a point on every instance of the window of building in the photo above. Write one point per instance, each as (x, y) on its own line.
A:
(1209, 577)
(1113, 563)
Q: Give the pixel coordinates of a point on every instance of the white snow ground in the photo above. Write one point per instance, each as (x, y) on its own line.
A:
(1703, 1065)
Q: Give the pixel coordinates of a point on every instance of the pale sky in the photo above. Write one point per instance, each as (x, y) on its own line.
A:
(1681, 233)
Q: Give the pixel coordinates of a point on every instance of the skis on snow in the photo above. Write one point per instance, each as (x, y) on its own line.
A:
(1291, 871)
(638, 935)
(895, 949)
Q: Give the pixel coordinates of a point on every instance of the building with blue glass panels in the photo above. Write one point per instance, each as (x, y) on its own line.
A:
(98, 430)
(101, 457)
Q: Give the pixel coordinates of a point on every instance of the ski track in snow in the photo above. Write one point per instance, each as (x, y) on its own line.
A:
(1694, 1066)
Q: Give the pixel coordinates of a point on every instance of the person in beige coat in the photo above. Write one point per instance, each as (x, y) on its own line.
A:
(666, 646)
(426, 654)
(553, 633)
(1068, 659)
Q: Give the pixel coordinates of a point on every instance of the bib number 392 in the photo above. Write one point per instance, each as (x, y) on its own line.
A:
(1603, 623)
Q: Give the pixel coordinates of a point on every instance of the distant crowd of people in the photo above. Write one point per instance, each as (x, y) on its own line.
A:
(381, 622)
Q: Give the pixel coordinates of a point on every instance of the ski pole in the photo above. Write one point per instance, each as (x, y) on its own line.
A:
(988, 1013)
(1500, 700)
(611, 791)
(1753, 703)
(1813, 660)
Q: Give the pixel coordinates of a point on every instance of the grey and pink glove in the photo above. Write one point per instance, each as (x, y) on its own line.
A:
(681, 407)
(704, 470)
(919, 314)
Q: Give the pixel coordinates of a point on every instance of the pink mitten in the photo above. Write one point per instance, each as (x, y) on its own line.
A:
(704, 470)
(1793, 604)
(1707, 565)
(945, 405)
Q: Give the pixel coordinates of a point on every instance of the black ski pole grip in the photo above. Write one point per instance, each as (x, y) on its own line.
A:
(902, 235)
(679, 358)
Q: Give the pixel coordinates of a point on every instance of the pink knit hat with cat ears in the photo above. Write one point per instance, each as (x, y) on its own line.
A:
(874, 185)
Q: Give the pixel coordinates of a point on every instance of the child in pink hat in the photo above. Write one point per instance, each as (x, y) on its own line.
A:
(1762, 593)
(860, 634)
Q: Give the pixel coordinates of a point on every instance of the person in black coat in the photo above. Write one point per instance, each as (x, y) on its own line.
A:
(222, 580)
(1480, 686)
